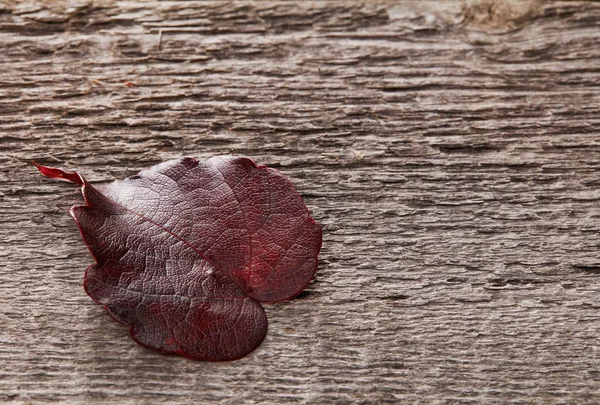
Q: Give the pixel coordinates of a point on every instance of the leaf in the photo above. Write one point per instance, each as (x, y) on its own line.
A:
(186, 251)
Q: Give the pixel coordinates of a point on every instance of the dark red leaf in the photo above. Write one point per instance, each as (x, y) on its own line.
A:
(186, 250)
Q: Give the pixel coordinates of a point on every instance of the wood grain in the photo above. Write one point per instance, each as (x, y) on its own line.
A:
(450, 150)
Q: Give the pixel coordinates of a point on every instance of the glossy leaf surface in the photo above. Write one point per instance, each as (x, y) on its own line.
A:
(187, 250)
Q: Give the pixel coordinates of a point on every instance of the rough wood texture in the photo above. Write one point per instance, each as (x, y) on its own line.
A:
(451, 152)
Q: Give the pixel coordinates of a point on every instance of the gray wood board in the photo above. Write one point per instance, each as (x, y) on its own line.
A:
(451, 152)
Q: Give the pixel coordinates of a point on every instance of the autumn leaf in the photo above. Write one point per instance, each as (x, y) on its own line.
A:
(186, 250)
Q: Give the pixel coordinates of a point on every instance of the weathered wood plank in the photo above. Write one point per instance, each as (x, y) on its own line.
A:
(450, 151)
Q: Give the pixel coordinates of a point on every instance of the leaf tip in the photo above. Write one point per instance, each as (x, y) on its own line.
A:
(55, 173)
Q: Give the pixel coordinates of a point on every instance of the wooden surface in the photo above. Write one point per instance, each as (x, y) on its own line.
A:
(450, 150)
